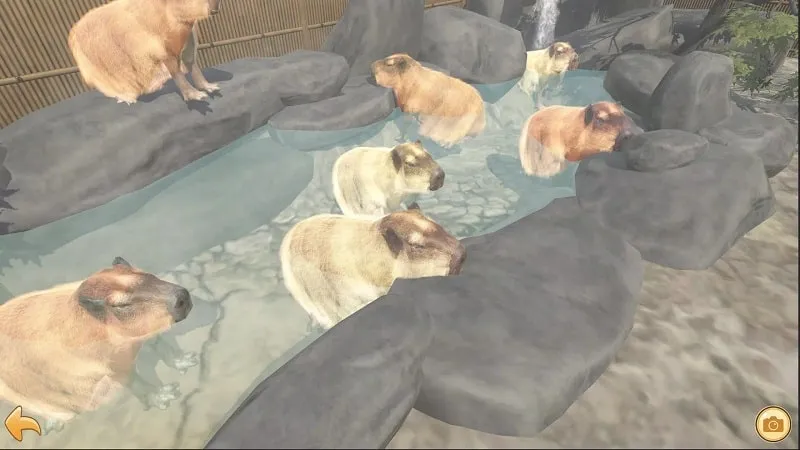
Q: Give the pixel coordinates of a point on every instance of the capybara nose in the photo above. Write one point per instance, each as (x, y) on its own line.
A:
(183, 304)
(214, 12)
(627, 132)
(437, 180)
(458, 260)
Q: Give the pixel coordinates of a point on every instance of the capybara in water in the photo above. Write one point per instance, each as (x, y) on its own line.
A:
(542, 65)
(556, 134)
(333, 265)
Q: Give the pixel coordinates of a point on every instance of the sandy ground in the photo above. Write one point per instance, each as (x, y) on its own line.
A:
(708, 350)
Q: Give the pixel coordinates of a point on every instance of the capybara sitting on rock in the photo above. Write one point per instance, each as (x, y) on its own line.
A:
(333, 265)
(448, 108)
(376, 180)
(127, 48)
(557, 134)
(71, 348)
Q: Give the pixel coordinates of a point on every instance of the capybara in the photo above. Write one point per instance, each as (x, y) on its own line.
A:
(556, 134)
(127, 48)
(546, 63)
(448, 108)
(333, 265)
(376, 180)
(72, 348)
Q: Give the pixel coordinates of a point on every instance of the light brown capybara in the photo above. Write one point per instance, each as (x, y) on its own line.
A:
(448, 109)
(333, 265)
(72, 348)
(127, 48)
(376, 180)
(557, 134)
(542, 65)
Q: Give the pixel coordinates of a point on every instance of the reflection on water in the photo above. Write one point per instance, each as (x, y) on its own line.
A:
(215, 227)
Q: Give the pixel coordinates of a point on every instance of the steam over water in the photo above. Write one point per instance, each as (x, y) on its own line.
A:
(545, 23)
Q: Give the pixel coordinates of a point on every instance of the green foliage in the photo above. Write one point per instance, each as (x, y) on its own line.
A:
(757, 36)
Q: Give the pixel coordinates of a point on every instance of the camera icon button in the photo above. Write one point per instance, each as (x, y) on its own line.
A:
(773, 424)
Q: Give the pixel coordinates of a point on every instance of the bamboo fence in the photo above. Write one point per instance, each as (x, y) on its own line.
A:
(37, 69)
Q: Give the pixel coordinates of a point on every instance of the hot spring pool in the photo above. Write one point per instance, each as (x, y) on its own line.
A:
(208, 228)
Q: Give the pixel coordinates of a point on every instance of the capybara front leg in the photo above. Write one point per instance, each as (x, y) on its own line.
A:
(153, 395)
(189, 59)
(168, 350)
(188, 92)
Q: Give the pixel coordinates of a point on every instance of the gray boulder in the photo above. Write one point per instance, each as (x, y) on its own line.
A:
(659, 150)
(770, 137)
(693, 93)
(633, 76)
(507, 12)
(472, 47)
(537, 314)
(639, 29)
(683, 218)
(373, 29)
(88, 150)
(351, 388)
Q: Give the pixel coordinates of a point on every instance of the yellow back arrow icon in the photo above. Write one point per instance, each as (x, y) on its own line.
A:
(16, 423)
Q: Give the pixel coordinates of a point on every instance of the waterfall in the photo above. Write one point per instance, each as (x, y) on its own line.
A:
(545, 23)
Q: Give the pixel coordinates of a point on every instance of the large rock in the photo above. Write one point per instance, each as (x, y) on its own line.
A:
(693, 93)
(660, 150)
(352, 388)
(640, 29)
(683, 218)
(373, 29)
(472, 47)
(770, 137)
(507, 12)
(633, 76)
(537, 314)
(88, 150)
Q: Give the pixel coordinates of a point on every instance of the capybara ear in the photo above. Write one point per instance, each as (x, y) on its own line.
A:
(551, 50)
(588, 114)
(94, 306)
(414, 206)
(390, 236)
(120, 261)
(397, 160)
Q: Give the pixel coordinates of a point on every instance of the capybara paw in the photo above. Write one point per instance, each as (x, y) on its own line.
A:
(185, 361)
(210, 87)
(195, 95)
(163, 396)
(127, 101)
(50, 425)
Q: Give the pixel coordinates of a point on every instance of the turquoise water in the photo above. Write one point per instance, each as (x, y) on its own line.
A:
(215, 227)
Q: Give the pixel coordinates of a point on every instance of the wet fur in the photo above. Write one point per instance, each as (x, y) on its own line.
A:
(545, 64)
(448, 109)
(376, 180)
(557, 134)
(333, 265)
(128, 48)
(72, 348)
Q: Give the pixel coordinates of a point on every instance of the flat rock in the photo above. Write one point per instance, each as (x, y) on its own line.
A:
(472, 47)
(684, 218)
(639, 29)
(659, 150)
(693, 93)
(337, 119)
(537, 314)
(88, 150)
(769, 136)
(373, 29)
(351, 388)
(633, 76)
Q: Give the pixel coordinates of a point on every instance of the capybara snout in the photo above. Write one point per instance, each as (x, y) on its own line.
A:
(213, 7)
(437, 179)
(628, 130)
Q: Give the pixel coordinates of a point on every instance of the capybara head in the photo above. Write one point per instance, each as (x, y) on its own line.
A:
(389, 71)
(608, 125)
(564, 56)
(421, 246)
(417, 167)
(131, 303)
